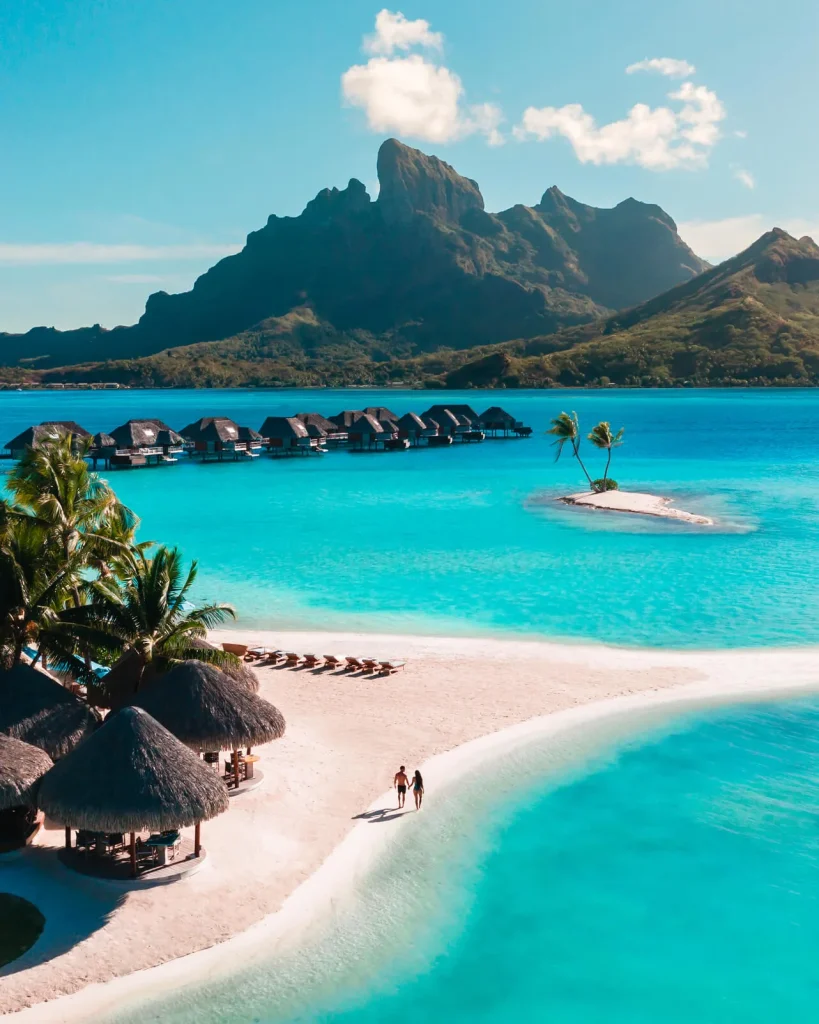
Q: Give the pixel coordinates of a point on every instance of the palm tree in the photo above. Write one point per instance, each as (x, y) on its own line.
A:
(145, 618)
(54, 481)
(601, 437)
(566, 429)
(35, 582)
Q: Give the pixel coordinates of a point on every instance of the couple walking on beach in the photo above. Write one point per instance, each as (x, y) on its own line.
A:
(401, 782)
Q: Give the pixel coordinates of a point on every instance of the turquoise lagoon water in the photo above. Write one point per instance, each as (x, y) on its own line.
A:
(470, 540)
(673, 877)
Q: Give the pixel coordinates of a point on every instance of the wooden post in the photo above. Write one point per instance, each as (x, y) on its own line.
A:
(197, 840)
(236, 769)
(68, 837)
(133, 855)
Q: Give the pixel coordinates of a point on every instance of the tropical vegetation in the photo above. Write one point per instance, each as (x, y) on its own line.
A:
(76, 588)
(566, 431)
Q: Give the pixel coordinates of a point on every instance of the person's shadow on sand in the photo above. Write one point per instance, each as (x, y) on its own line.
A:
(382, 814)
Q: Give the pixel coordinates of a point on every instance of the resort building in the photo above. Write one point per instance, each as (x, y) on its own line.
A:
(322, 429)
(215, 438)
(347, 418)
(366, 432)
(415, 430)
(460, 422)
(141, 443)
(497, 421)
(37, 435)
(287, 435)
(380, 413)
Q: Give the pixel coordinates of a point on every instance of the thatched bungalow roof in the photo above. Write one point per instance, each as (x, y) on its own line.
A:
(36, 709)
(345, 419)
(465, 415)
(315, 419)
(443, 416)
(212, 428)
(287, 428)
(412, 423)
(249, 434)
(367, 424)
(144, 434)
(496, 418)
(380, 412)
(132, 774)
(21, 768)
(102, 440)
(208, 710)
(50, 430)
(118, 687)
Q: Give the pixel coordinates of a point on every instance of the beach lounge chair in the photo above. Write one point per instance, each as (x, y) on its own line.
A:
(388, 667)
(273, 657)
(310, 661)
(353, 665)
(370, 664)
(292, 660)
(331, 661)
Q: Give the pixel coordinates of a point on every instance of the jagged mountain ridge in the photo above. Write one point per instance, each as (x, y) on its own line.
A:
(423, 266)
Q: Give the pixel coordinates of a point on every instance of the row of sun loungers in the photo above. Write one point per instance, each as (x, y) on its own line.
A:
(326, 661)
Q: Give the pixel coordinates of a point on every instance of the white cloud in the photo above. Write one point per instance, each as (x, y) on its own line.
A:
(394, 32)
(658, 138)
(54, 253)
(414, 95)
(745, 177)
(740, 134)
(716, 240)
(669, 66)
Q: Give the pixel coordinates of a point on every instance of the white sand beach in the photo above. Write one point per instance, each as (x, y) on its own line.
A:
(346, 736)
(636, 503)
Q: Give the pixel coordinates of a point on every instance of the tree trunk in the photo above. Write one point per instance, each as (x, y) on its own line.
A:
(133, 855)
(576, 448)
(606, 471)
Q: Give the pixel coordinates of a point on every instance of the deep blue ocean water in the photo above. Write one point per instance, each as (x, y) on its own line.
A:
(669, 877)
(470, 540)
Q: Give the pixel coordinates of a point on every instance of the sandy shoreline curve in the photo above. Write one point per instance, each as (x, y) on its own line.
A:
(635, 503)
(472, 699)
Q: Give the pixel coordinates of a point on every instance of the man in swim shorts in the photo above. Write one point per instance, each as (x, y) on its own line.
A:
(401, 782)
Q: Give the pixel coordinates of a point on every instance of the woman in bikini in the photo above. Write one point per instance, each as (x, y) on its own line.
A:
(418, 789)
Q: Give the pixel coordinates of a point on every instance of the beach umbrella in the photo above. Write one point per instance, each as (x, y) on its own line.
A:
(132, 774)
(38, 710)
(206, 709)
(21, 768)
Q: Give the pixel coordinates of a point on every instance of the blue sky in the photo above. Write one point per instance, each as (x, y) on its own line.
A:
(142, 140)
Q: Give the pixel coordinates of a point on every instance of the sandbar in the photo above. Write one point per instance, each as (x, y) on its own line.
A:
(636, 503)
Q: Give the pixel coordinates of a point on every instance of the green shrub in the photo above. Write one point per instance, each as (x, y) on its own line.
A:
(605, 485)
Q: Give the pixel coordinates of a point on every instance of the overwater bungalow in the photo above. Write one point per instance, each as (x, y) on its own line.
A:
(381, 412)
(287, 435)
(141, 443)
(38, 710)
(365, 433)
(415, 430)
(347, 418)
(130, 777)
(217, 438)
(21, 768)
(498, 422)
(323, 430)
(205, 709)
(41, 433)
(460, 422)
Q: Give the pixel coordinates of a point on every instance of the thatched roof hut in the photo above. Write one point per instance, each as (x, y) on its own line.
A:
(412, 423)
(132, 774)
(285, 432)
(345, 419)
(119, 686)
(216, 429)
(21, 768)
(366, 425)
(36, 709)
(321, 423)
(207, 709)
(496, 418)
(137, 434)
(103, 440)
(443, 416)
(380, 412)
(50, 430)
(464, 415)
